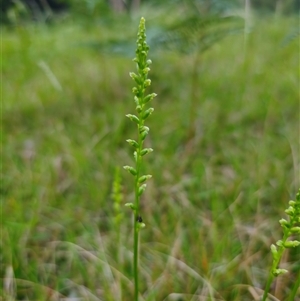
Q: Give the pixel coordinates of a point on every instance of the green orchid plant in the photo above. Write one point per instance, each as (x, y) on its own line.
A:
(291, 227)
(143, 112)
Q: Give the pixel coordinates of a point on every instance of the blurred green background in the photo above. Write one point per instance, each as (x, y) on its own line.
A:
(225, 134)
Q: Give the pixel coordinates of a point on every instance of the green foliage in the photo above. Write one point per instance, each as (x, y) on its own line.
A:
(213, 203)
(188, 33)
(13, 12)
(4, 7)
(287, 6)
(89, 9)
(196, 34)
(292, 36)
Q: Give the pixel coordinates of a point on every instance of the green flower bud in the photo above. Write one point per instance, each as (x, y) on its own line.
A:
(291, 244)
(144, 135)
(144, 178)
(130, 169)
(142, 189)
(133, 143)
(132, 75)
(146, 151)
(290, 211)
(283, 222)
(277, 272)
(135, 90)
(139, 109)
(136, 100)
(147, 83)
(149, 97)
(146, 70)
(147, 113)
(274, 250)
(130, 205)
(140, 226)
(133, 118)
(135, 155)
(135, 77)
(295, 230)
(143, 129)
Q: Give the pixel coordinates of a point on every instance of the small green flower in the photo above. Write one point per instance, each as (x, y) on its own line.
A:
(278, 272)
(290, 227)
(130, 169)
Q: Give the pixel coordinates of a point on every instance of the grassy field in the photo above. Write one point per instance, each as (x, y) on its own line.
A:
(225, 134)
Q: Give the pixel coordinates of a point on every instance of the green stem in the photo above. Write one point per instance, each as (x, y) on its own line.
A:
(289, 227)
(136, 212)
(268, 285)
(274, 266)
(136, 230)
(135, 260)
(292, 296)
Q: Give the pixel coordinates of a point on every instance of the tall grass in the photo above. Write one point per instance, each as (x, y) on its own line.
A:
(213, 205)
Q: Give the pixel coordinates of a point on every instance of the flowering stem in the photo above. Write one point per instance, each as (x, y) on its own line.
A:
(290, 227)
(141, 101)
(136, 222)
